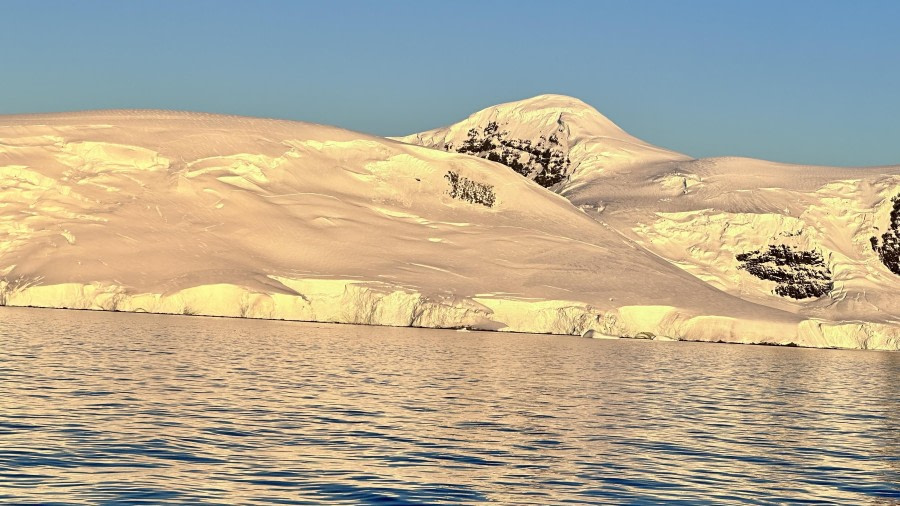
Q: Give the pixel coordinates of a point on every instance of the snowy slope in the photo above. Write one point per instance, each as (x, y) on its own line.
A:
(821, 242)
(188, 213)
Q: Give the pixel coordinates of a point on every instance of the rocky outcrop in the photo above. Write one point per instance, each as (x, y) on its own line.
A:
(463, 188)
(799, 274)
(888, 245)
(545, 161)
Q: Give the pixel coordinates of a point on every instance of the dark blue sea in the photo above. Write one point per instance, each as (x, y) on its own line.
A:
(146, 409)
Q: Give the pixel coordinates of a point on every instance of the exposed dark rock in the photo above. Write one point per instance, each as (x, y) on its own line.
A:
(888, 245)
(463, 188)
(543, 161)
(799, 274)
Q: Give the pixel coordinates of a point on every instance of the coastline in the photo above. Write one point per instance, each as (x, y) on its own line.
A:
(547, 317)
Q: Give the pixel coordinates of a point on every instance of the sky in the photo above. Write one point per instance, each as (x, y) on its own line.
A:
(802, 81)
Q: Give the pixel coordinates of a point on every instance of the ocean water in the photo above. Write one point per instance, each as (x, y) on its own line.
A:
(130, 408)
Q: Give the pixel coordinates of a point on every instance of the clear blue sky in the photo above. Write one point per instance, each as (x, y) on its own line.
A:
(807, 81)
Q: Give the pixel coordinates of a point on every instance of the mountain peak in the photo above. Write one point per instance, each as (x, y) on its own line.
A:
(547, 138)
(550, 109)
(549, 101)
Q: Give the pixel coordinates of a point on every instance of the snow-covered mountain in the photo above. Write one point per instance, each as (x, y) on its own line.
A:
(816, 241)
(187, 213)
(555, 140)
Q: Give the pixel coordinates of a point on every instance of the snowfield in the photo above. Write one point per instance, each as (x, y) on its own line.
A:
(605, 235)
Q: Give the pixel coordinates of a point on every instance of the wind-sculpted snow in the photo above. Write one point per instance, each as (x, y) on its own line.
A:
(196, 214)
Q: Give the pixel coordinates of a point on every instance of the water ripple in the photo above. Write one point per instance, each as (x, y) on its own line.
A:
(148, 409)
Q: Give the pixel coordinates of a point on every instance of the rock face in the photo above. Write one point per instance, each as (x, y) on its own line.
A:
(798, 274)
(888, 245)
(465, 189)
(545, 161)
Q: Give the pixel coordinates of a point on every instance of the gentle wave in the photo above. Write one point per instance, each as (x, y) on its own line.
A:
(149, 409)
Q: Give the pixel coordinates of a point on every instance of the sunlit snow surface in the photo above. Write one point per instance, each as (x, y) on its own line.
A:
(159, 211)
